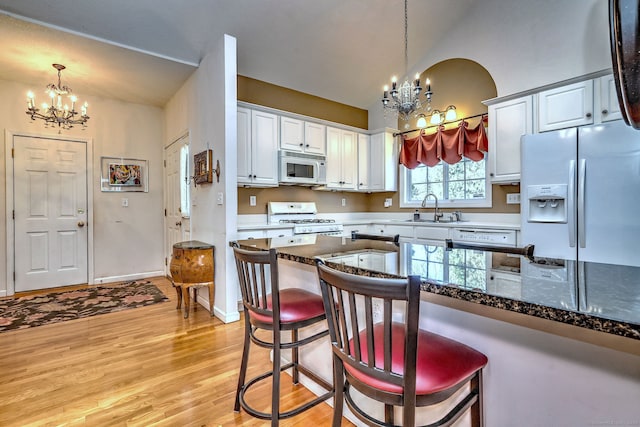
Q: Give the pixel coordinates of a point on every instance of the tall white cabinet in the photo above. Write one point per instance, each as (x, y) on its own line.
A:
(342, 171)
(377, 162)
(257, 148)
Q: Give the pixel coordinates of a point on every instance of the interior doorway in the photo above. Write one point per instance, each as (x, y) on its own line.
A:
(48, 212)
(177, 195)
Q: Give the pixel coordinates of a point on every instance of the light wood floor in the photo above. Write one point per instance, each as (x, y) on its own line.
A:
(139, 367)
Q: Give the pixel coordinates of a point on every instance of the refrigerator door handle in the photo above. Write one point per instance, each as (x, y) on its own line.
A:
(571, 204)
(582, 171)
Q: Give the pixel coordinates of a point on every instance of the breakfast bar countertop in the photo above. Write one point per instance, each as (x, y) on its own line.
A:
(605, 299)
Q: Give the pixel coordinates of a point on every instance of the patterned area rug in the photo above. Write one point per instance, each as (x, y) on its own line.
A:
(36, 310)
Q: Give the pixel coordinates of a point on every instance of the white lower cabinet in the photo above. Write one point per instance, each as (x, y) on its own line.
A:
(432, 233)
(405, 232)
(503, 284)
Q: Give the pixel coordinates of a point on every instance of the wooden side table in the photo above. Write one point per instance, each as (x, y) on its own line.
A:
(191, 267)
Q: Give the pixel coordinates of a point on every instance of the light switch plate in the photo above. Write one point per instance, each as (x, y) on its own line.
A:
(220, 198)
(344, 202)
(252, 200)
(125, 203)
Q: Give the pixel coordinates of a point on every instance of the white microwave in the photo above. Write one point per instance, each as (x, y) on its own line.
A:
(302, 169)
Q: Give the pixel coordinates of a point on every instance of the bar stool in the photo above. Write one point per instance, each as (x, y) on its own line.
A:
(271, 309)
(392, 362)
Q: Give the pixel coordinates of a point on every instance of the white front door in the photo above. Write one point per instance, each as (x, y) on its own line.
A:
(177, 204)
(50, 210)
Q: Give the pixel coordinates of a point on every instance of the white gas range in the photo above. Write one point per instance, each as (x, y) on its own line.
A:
(303, 217)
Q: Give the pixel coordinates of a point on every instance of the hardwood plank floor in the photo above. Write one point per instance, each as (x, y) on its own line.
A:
(140, 367)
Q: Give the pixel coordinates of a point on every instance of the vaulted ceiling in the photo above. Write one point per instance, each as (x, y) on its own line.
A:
(142, 51)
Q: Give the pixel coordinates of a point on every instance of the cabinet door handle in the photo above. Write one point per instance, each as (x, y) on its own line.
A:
(178, 223)
(80, 224)
(605, 111)
(307, 145)
(491, 174)
(301, 144)
(588, 115)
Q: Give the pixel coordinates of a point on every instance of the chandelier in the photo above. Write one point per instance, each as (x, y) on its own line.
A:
(405, 100)
(57, 113)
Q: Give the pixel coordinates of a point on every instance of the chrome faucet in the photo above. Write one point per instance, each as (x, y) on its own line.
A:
(436, 213)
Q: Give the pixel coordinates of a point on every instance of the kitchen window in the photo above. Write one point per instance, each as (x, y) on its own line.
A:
(463, 184)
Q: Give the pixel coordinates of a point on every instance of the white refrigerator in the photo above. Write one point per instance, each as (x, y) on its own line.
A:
(581, 194)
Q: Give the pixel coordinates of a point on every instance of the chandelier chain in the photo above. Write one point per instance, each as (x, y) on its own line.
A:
(406, 37)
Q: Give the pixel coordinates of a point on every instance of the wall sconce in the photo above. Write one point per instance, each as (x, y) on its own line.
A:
(450, 115)
(422, 121)
(437, 117)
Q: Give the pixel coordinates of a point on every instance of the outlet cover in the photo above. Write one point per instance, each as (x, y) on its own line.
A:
(388, 202)
(344, 202)
(252, 200)
(513, 198)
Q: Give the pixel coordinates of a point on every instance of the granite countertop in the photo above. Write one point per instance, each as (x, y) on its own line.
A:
(547, 289)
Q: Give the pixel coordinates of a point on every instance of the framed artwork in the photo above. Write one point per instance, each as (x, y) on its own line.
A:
(120, 174)
(202, 167)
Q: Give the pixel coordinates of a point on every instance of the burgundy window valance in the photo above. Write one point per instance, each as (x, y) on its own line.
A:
(448, 145)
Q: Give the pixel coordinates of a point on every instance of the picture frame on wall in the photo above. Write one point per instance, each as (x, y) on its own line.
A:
(122, 174)
(202, 167)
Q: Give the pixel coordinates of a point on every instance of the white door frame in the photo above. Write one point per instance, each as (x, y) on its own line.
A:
(186, 134)
(9, 201)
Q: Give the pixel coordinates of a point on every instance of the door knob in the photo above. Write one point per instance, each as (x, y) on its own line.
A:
(80, 224)
(178, 223)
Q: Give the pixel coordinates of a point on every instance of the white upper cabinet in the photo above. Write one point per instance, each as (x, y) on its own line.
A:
(257, 148)
(301, 136)
(607, 100)
(315, 137)
(342, 165)
(508, 121)
(565, 106)
(291, 134)
(377, 162)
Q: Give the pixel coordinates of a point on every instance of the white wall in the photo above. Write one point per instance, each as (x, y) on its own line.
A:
(523, 44)
(117, 129)
(206, 106)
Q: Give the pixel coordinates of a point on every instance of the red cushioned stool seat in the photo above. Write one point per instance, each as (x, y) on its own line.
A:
(441, 364)
(296, 305)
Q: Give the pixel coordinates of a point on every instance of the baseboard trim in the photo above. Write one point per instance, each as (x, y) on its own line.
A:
(125, 277)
